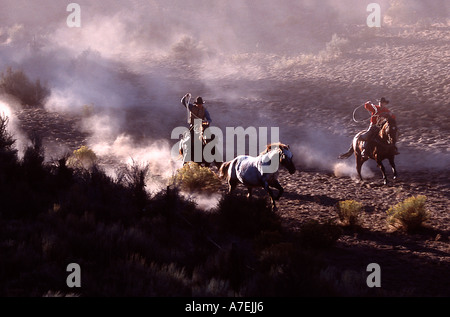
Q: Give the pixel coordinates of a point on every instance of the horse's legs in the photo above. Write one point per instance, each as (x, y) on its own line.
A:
(249, 195)
(359, 163)
(232, 184)
(383, 170)
(267, 188)
(394, 169)
(277, 185)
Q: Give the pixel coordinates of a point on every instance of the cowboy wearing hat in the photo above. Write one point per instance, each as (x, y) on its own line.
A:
(378, 112)
(196, 110)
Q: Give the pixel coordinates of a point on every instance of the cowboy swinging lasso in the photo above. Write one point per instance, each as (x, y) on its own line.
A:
(378, 142)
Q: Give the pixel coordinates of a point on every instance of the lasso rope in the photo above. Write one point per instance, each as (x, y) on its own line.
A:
(359, 121)
(188, 100)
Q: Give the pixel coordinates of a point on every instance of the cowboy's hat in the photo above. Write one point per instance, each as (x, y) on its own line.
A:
(383, 100)
(199, 101)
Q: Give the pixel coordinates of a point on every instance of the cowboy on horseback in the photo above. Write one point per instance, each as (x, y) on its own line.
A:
(197, 114)
(379, 113)
(196, 110)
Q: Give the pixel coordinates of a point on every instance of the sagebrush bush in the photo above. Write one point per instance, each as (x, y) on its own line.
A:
(33, 161)
(17, 84)
(349, 212)
(129, 244)
(242, 216)
(287, 270)
(334, 48)
(193, 177)
(8, 152)
(84, 157)
(409, 214)
(6, 139)
(318, 235)
(134, 177)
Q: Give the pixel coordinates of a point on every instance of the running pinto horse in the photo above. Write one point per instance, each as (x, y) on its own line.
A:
(383, 148)
(260, 171)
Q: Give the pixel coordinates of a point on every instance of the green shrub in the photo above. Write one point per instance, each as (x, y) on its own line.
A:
(33, 161)
(84, 157)
(247, 217)
(349, 212)
(286, 270)
(409, 214)
(87, 110)
(134, 176)
(17, 84)
(6, 139)
(319, 235)
(195, 178)
(401, 12)
(8, 152)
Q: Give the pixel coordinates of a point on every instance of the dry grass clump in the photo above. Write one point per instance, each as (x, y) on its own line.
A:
(245, 217)
(84, 157)
(349, 212)
(409, 214)
(195, 178)
(316, 235)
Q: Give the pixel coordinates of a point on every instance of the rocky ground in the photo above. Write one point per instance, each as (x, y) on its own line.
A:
(411, 263)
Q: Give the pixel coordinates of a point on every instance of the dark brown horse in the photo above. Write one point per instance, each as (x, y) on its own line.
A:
(381, 148)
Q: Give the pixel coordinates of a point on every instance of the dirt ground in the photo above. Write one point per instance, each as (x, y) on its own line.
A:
(411, 264)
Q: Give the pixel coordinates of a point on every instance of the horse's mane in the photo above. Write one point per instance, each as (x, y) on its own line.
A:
(390, 121)
(272, 145)
(387, 123)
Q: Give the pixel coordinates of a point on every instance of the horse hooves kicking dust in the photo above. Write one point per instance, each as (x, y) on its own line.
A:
(383, 148)
(261, 171)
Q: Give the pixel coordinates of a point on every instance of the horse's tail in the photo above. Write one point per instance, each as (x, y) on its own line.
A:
(349, 153)
(223, 170)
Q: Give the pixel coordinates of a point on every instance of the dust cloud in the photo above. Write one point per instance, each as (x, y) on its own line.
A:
(257, 63)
